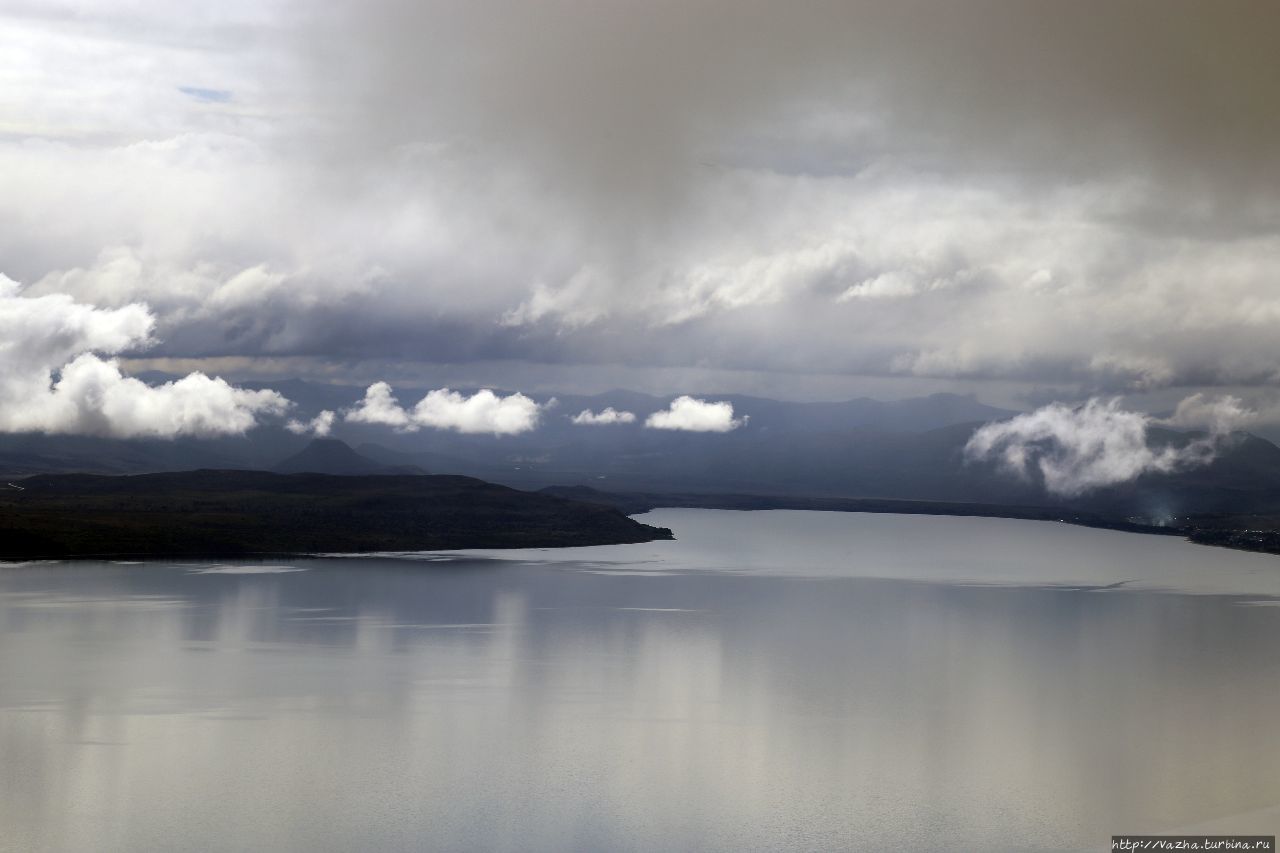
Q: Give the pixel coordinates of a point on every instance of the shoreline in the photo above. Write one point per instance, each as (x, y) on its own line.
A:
(1210, 531)
(1238, 533)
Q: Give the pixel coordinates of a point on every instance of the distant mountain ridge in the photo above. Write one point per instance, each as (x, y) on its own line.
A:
(264, 448)
(910, 449)
(333, 456)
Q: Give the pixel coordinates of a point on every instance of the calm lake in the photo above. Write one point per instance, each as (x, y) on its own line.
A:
(770, 681)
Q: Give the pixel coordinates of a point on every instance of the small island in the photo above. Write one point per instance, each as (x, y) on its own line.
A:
(228, 513)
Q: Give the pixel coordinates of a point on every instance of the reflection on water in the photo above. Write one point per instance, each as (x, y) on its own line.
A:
(505, 705)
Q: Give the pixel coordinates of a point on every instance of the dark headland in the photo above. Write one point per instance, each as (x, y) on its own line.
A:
(240, 513)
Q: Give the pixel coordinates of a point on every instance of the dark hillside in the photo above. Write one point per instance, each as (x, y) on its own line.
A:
(227, 513)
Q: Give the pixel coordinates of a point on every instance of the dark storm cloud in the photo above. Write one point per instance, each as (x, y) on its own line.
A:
(621, 98)
(1042, 172)
(1071, 194)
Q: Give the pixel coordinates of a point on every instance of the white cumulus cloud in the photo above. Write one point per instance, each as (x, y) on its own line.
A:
(321, 425)
(694, 415)
(606, 417)
(54, 377)
(1100, 444)
(380, 406)
(482, 412)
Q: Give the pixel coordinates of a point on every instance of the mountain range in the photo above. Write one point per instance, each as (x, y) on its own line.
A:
(909, 449)
(331, 456)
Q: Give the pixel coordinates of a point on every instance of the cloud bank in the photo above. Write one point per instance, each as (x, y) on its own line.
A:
(663, 186)
(607, 417)
(1099, 444)
(482, 412)
(54, 378)
(693, 415)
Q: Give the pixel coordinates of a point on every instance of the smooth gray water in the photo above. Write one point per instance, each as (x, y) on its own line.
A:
(771, 681)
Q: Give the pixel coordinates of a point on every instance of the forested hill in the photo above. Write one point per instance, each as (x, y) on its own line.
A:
(229, 513)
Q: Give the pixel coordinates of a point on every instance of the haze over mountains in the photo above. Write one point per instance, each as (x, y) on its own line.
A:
(909, 449)
(331, 456)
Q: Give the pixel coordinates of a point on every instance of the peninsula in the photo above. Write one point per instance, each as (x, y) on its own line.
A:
(239, 513)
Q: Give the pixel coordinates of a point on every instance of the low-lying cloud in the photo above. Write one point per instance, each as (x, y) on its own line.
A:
(693, 415)
(482, 412)
(1099, 444)
(321, 425)
(606, 417)
(1214, 414)
(54, 377)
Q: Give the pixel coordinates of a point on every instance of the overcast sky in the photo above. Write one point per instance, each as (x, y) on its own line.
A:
(813, 198)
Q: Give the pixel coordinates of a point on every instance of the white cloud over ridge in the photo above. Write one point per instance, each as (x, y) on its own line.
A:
(606, 417)
(1079, 449)
(693, 415)
(54, 378)
(1217, 415)
(484, 412)
(320, 426)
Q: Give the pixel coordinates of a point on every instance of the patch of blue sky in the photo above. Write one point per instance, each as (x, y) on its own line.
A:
(211, 96)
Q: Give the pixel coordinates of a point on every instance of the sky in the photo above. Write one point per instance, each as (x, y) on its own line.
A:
(1030, 201)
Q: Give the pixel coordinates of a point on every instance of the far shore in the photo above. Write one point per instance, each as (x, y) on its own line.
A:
(1252, 533)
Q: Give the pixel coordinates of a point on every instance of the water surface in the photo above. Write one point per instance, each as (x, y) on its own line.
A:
(770, 681)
